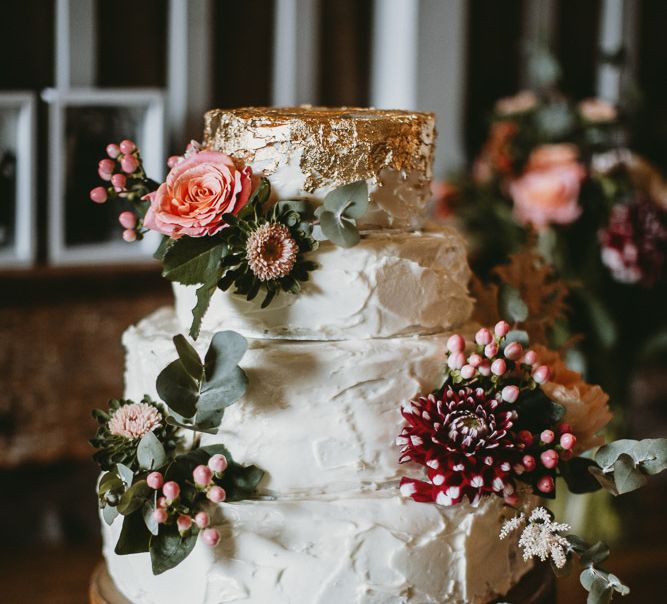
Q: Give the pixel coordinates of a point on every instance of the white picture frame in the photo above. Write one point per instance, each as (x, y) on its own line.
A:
(150, 138)
(17, 133)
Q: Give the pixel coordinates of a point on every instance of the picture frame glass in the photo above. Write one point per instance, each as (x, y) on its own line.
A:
(9, 118)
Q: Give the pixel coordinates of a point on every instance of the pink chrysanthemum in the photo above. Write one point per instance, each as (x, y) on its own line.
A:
(134, 420)
(271, 252)
(465, 443)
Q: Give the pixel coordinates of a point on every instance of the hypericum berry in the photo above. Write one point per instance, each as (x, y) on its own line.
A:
(475, 360)
(545, 484)
(113, 151)
(563, 428)
(128, 220)
(129, 164)
(456, 343)
(202, 520)
(162, 502)
(513, 351)
(530, 358)
(501, 329)
(129, 235)
(547, 436)
(172, 160)
(483, 337)
(567, 441)
(202, 475)
(510, 394)
(119, 181)
(211, 537)
(218, 463)
(127, 146)
(549, 459)
(491, 350)
(160, 515)
(529, 462)
(541, 374)
(183, 523)
(105, 168)
(468, 371)
(456, 360)
(485, 369)
(499, 367)
(216, 494)
(525, 437)
(155, 480)
(171, 490)
(99, 194)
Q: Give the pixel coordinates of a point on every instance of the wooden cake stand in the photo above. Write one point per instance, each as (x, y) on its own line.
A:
(537, 587)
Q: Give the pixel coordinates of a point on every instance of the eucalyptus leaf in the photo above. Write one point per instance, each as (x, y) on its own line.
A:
(600, 592)
(150, 452)
(518, 335)
(134, 536)
(133, 499)
(168, 548)
(607, 455)
(587, 577)
(350, 200)
(225, 382)
(241, 482)
(189, 357)
(109, 482)
(651, 455)
(339, 230)
(626, 476)
(595, 554)
(109, 513)
(192, 260)
(178, 389)
(606, 480)
(149, 519)
(511, 305)
(125, 474)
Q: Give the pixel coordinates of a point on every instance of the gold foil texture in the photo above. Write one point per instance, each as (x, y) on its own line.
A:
(334, 146)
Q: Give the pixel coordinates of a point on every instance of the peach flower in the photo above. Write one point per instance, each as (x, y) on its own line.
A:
(519, 103)
(586, 408)
(597, 110)
(548, 190)
(198, 191)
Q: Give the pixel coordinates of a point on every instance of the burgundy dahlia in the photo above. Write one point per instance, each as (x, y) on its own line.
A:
(466, 443)
(634, 244)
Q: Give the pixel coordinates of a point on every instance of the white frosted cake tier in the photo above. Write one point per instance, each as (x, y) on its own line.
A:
(306, 152)
(317, 416)
(376, 549)
(390, 284)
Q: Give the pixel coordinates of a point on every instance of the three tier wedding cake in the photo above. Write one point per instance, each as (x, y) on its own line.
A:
(328, 365)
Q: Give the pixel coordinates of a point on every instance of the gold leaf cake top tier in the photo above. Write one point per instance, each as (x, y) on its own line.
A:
(309, 151)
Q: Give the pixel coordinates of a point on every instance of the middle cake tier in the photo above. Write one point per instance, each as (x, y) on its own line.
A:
(317, 416)
(392, 283)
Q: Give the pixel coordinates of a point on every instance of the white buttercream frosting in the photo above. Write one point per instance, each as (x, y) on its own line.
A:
(317, 415)
(390, 284)
(354, 549)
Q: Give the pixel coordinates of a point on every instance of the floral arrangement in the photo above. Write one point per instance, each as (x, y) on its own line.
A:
(511, 419)
(219, 225)
(559, 169)
(166, 490)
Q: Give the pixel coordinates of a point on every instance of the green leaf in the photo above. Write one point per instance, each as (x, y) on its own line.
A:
(109, 513)
(626, 476)
(192, 260)
(587, 578)
(606, 480)
(536, 410)
(261, 194)
(651, 455)
(189, 357)
(240, 482)
(178, 388)
(133, 499)
(134, 536)
(595, 554)
(165, 243)
(518, 335)
(511, 305)
(168, 549)
(600, 593)
(125, 474)
(607, 455)
(225, 381)
(577, 475)
(109, 482)
(339, 230)
(204, 294)
(150, 452)
(350, 200)
(149, 520)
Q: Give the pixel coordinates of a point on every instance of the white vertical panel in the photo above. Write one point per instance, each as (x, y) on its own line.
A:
(76, 43)
(394, 64)
(189, 72)
(441, 76)
(295, 52)
(539, 23)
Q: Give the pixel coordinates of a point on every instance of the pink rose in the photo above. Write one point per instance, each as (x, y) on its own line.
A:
(548, 190)
(198, 191)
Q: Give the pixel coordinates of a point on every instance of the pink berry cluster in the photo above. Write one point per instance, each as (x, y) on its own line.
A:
(170, 508)
(124, 171)
(496, 358)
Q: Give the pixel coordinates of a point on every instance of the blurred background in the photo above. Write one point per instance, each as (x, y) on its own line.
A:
(77, 74)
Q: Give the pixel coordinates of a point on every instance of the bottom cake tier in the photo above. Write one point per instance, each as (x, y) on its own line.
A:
(350, 549)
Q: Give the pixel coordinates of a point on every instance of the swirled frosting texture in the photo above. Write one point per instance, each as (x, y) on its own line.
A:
(317, 416)
(354, 549)
(308, 151)
(390, 284)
